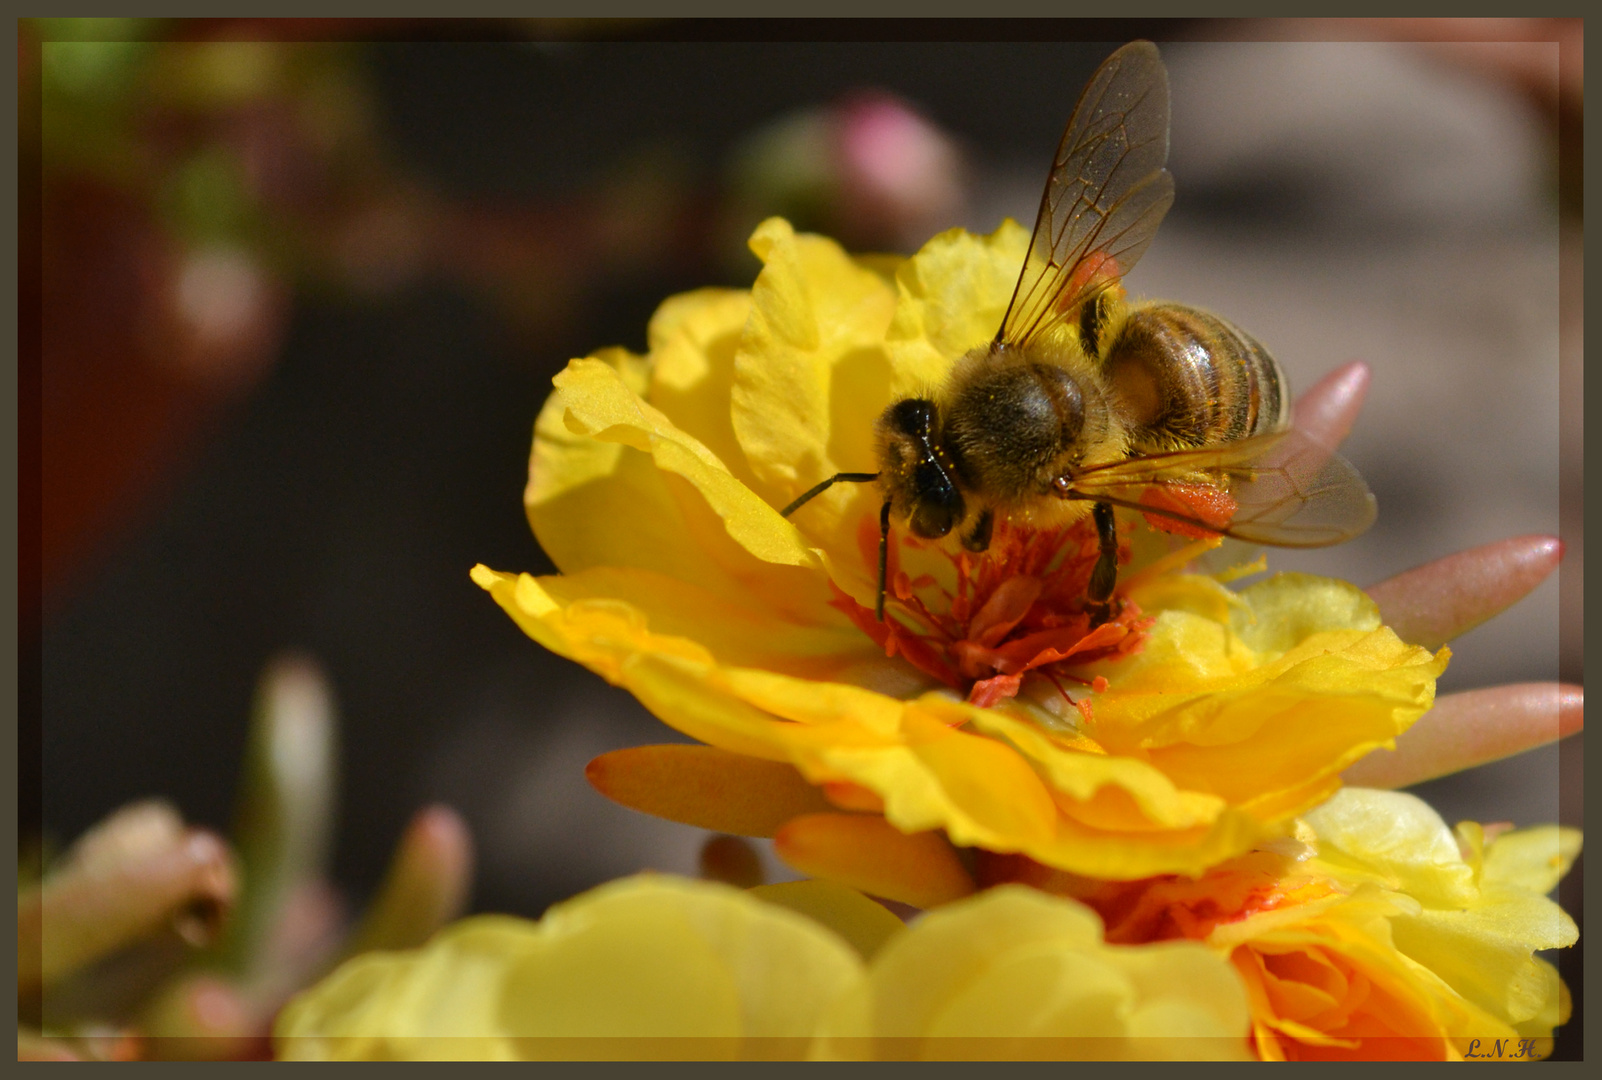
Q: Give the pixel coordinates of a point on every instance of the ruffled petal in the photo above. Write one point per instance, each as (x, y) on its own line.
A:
(693, 339)
(1394, 840)
(1014, 973)
(1480, 915)
(865, 925)
(646, 967)
(1243, 742)
(597, 403)
(951, 298)
(1531, 860)
(811, 360)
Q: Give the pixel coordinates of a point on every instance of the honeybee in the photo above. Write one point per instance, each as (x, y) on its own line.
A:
(1084, 402)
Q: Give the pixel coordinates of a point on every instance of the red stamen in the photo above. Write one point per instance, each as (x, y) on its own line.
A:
(1016, 610)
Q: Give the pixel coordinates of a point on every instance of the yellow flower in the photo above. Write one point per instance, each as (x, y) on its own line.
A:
(663, 967)
(646, 967)
(1015, 973)
(1378, 933)
(1202, 722)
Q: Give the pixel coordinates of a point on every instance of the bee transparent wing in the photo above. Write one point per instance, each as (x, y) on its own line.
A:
(1105, 196)
(1282, 489)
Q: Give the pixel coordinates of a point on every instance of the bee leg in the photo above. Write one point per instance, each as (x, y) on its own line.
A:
(1105, 574)
(978, 538)
(884, 556)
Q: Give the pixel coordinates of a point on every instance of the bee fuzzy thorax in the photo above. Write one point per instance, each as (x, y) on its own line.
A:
(1017, 419)
(1006, 425)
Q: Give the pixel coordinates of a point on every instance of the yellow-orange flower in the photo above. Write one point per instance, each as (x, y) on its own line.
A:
(1376, 933)
(1202, 720)
(664, 967)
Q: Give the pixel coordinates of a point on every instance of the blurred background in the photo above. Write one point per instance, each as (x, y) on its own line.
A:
(304, 286)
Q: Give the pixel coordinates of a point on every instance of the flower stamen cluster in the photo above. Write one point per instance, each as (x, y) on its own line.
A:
(1016, 609)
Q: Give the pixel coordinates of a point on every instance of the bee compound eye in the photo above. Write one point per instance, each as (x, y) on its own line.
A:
(932, 520)
(913, 417)
(937, 505)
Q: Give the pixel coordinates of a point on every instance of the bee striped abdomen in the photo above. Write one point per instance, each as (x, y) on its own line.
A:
(1188, 378)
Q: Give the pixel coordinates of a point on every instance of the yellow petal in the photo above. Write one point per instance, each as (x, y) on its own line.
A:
(1393, 839)
(1297, 719)
(1484, 953)
(864, 924)
(816, 316)
(693, 338)
(645, 967)
(437, 1002)
(1280, 613)
(1121, 855)
(1016, 973)
(1531, 860)
(988, 777)
(952, 296)
(670, 673)
(809, 378)
(1476, 933)
(600, 405)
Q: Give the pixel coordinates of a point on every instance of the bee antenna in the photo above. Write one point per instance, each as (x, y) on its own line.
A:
(884, 522)
(845, 477)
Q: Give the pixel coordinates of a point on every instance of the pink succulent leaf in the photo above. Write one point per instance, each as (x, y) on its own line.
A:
(139, 870)
(427, 885)
(1327, 410)
(1474, 728)
(1434, 603)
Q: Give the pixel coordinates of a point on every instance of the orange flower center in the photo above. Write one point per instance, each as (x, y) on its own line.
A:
(1016, 610)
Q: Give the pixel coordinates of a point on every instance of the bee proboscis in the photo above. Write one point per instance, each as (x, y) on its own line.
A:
(1084, 402)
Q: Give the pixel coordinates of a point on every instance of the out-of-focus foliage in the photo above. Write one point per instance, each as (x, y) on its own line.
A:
(152, 939)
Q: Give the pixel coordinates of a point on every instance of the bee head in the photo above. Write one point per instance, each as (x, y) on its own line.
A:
(916, 471)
